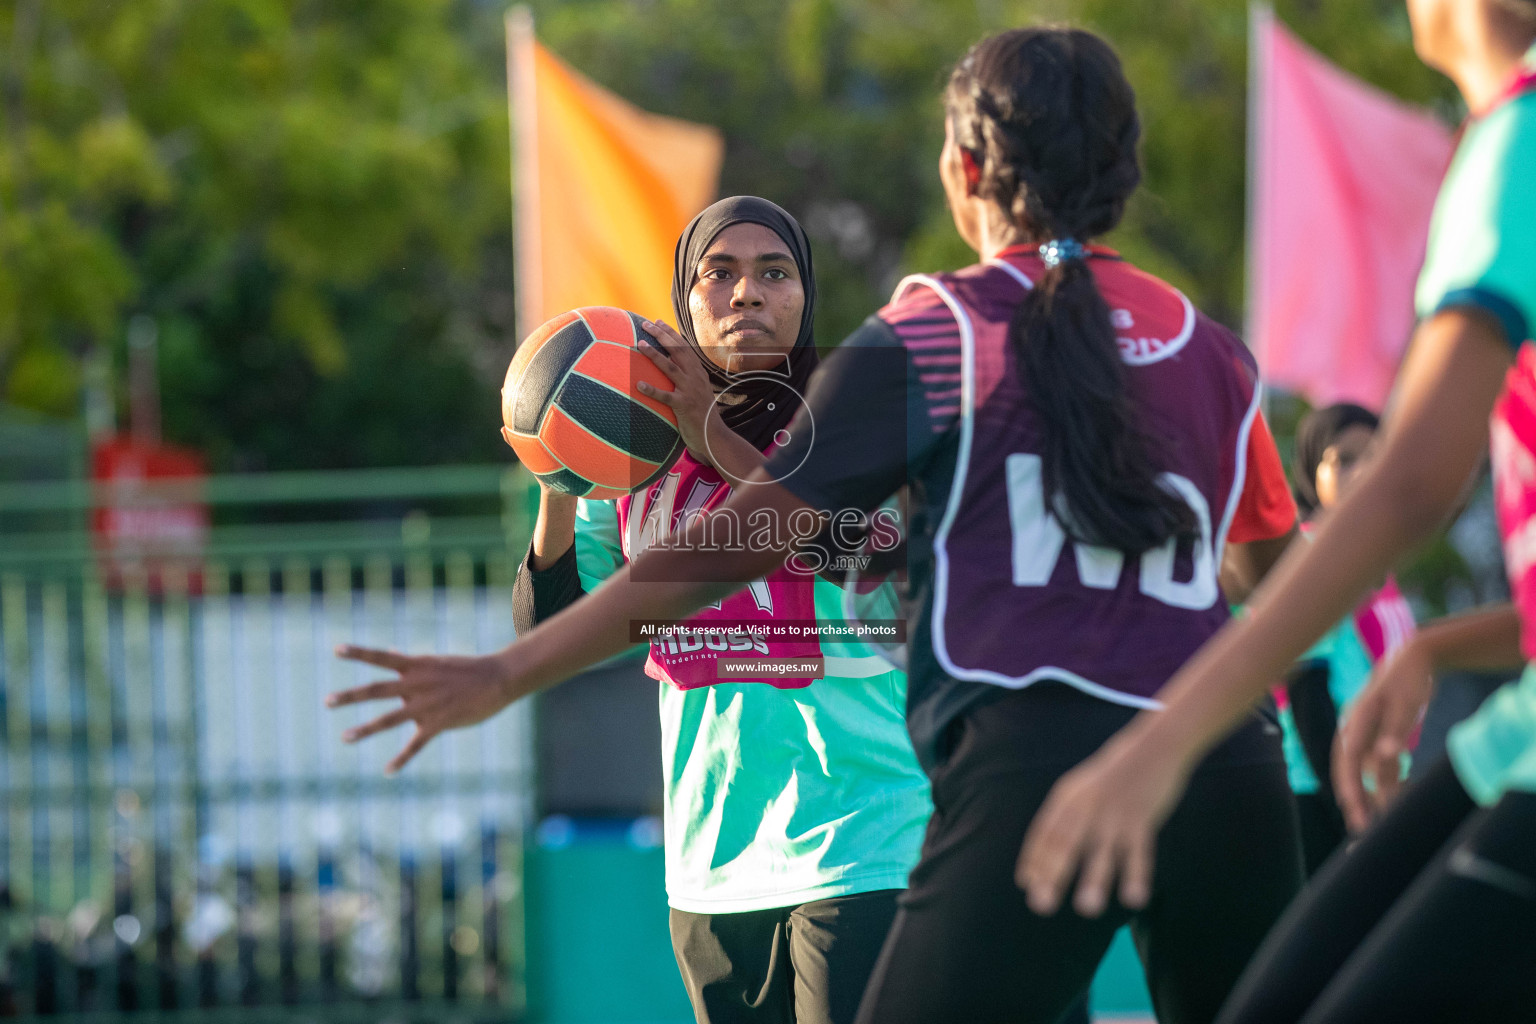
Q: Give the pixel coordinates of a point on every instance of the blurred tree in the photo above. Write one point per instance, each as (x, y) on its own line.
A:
(832, 107)
(309, 198)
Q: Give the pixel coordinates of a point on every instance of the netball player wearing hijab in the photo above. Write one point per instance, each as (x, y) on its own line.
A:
(1432, 915)
(794, 809)
(1086, 450)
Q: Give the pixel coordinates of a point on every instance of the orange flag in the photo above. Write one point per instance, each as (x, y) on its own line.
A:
(601, 188)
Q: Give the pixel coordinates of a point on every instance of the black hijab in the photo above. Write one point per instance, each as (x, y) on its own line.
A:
(1315, 434)
(772, 397)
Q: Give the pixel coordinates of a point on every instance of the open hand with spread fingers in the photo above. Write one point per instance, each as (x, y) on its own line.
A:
(692, 399)
(437, 692)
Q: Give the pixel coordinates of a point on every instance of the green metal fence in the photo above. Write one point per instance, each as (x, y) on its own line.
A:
(182, 827)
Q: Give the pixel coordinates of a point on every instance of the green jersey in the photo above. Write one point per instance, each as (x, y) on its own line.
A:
(1482, 235)
(775, 797)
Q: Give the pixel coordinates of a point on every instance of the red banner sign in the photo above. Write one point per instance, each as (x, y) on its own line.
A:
(150, 523)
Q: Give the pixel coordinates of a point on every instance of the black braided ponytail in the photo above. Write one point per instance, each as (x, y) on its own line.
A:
(1051, 122)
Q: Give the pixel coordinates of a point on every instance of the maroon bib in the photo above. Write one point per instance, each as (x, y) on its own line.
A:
(1015, 599)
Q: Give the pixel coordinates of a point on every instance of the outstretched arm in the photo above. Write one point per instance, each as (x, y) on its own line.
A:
(861, 392)
(679, 576)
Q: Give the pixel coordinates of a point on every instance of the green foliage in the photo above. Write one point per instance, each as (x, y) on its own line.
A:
(312, 198)
(832, 107)
(829, 108)
(306, 196)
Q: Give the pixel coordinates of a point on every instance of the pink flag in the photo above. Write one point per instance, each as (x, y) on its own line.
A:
(1344, 180)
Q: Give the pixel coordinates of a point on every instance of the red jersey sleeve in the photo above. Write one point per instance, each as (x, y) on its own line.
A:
(1266, 509)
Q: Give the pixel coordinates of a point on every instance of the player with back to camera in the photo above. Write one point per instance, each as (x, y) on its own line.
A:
(1087, 451)
(792, 816)
(1431, 916)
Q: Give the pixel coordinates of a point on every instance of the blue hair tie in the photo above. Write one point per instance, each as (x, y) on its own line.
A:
(1058, 250)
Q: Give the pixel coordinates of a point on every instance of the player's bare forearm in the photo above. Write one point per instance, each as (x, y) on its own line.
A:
(1484, 640)
(1432, 443)
(442, 692)
(555, 530)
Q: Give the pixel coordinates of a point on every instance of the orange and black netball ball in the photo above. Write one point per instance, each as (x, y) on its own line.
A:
(571, 412)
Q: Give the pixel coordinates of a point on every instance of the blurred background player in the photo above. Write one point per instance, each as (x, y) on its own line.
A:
(792, 816)
(1432, 915)
(1044, 624)
(1330, 445)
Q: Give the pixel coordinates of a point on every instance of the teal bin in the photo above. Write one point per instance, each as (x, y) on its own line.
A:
(598, 947)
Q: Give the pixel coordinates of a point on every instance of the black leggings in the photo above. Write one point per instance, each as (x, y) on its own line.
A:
(1430, 917)
(1316, 719)
(966, 946)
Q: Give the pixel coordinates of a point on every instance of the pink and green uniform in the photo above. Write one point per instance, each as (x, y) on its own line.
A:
(775, 795)
(689, 660)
